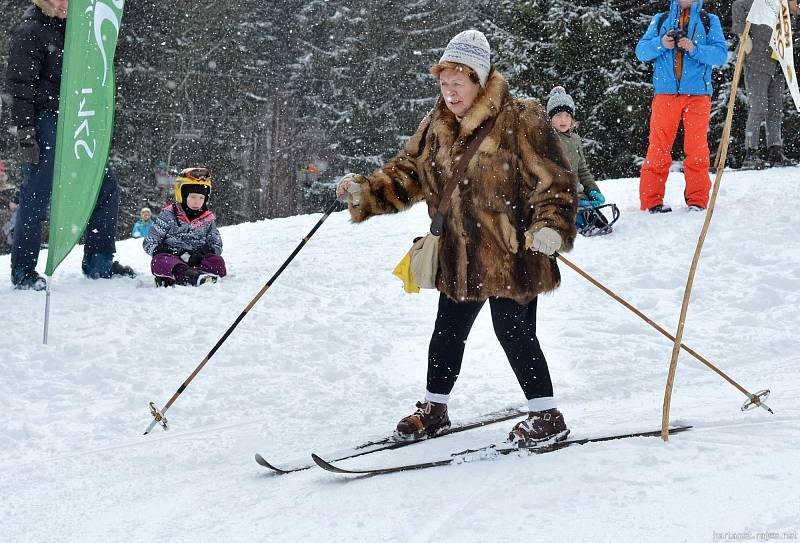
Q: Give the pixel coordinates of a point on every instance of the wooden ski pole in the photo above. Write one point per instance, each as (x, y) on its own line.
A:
(158, 416)
(723, 152)
(655, 325)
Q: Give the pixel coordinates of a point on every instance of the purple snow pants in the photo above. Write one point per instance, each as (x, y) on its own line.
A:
(173, 269)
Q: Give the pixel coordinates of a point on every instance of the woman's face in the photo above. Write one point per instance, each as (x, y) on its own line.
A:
(458, 90)
(146, 215)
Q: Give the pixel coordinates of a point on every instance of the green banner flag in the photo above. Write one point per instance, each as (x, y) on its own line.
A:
(85, 120)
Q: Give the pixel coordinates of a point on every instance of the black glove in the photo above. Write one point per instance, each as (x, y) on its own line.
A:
(164, 249)
(192, 259)
(27, 144)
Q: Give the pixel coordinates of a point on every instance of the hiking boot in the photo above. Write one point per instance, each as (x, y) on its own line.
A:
(429, 419)
(660, 208)
(752, 161)
(195, 277)
(162, 281)
(696, 208)
(540, 428)
(28, 280)
(119, 269)
(776, 158)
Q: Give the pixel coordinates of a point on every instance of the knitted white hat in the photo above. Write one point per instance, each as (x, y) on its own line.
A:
(470, 48)
(560, 101)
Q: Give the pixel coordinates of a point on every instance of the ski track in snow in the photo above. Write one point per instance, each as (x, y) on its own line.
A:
(335, 352)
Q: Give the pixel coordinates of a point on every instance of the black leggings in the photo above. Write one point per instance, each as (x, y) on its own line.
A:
(514, 326)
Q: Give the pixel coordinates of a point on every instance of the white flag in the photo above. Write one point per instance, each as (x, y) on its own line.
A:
(781, 43)
(764, 12)
(775, 14)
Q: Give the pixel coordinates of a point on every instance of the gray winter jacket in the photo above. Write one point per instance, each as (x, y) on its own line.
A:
(760, 57)
(572, 145)
(172, 232)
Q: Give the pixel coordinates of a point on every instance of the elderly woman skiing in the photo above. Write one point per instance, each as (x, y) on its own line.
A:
(513, 210)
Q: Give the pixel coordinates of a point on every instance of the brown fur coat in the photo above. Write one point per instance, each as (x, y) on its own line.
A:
(517, 180)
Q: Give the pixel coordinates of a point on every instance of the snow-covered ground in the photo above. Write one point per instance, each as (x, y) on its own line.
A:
(336, 352)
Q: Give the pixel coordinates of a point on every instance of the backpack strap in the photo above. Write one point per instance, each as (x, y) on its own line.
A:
(662, 19)
(705, 19)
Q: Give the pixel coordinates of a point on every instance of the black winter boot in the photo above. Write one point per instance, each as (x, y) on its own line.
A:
(429, 419)
(196, 277)
(776, 158)
(752, 161)
(119, 269)
(540, 428)
(28, 280)
(660, 208)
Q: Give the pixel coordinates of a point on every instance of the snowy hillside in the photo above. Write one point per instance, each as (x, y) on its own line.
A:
(335, 352)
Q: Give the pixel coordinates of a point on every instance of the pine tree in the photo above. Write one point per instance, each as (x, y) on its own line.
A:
(375, 86)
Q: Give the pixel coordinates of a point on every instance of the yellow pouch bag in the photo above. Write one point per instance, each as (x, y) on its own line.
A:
(403, 271)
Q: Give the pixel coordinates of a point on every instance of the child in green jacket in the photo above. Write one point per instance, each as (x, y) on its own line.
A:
(561, 110)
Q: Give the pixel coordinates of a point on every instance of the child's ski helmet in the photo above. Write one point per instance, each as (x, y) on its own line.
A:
(192, 180)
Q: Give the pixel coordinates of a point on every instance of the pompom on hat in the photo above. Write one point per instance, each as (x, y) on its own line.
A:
(470, 48)
(560, 101)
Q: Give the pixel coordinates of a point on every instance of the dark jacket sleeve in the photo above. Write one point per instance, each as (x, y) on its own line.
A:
(738, 16)
(22, 77)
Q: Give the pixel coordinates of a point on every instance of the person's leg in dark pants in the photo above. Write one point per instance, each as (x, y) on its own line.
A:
(102, 227)
(214, 264)
(98, 253)
(34, 199)
(454, 321)
(515, 327)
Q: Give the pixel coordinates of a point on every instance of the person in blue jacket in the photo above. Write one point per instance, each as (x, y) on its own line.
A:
(142, 226)
(685, 43)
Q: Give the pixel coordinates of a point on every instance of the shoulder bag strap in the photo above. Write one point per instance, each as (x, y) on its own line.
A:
(437, 224)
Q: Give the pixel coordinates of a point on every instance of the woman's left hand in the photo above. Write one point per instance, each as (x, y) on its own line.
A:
(545, 240)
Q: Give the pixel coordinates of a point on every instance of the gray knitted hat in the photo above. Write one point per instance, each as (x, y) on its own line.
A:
(560, 101)
(470, 48)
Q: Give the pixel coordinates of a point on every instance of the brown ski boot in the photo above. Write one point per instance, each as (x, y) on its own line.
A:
(540, 428)
(429, 419)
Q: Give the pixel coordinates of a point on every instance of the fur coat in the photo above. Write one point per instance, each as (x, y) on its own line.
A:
(518, 180)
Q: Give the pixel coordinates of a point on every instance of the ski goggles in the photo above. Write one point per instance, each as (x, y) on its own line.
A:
(195, 174)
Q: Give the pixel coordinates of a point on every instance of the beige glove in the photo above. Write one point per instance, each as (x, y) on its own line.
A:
(347, 190)
(747, 44)
(545, 240)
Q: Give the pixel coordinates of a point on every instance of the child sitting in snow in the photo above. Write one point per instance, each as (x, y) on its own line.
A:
(184, 241)
(589, 220)
(142, 226)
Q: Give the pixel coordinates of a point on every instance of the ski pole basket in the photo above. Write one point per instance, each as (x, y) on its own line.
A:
(160, 419)
(756, 400)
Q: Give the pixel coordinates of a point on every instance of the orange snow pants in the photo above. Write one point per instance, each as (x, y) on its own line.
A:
(667, 113)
